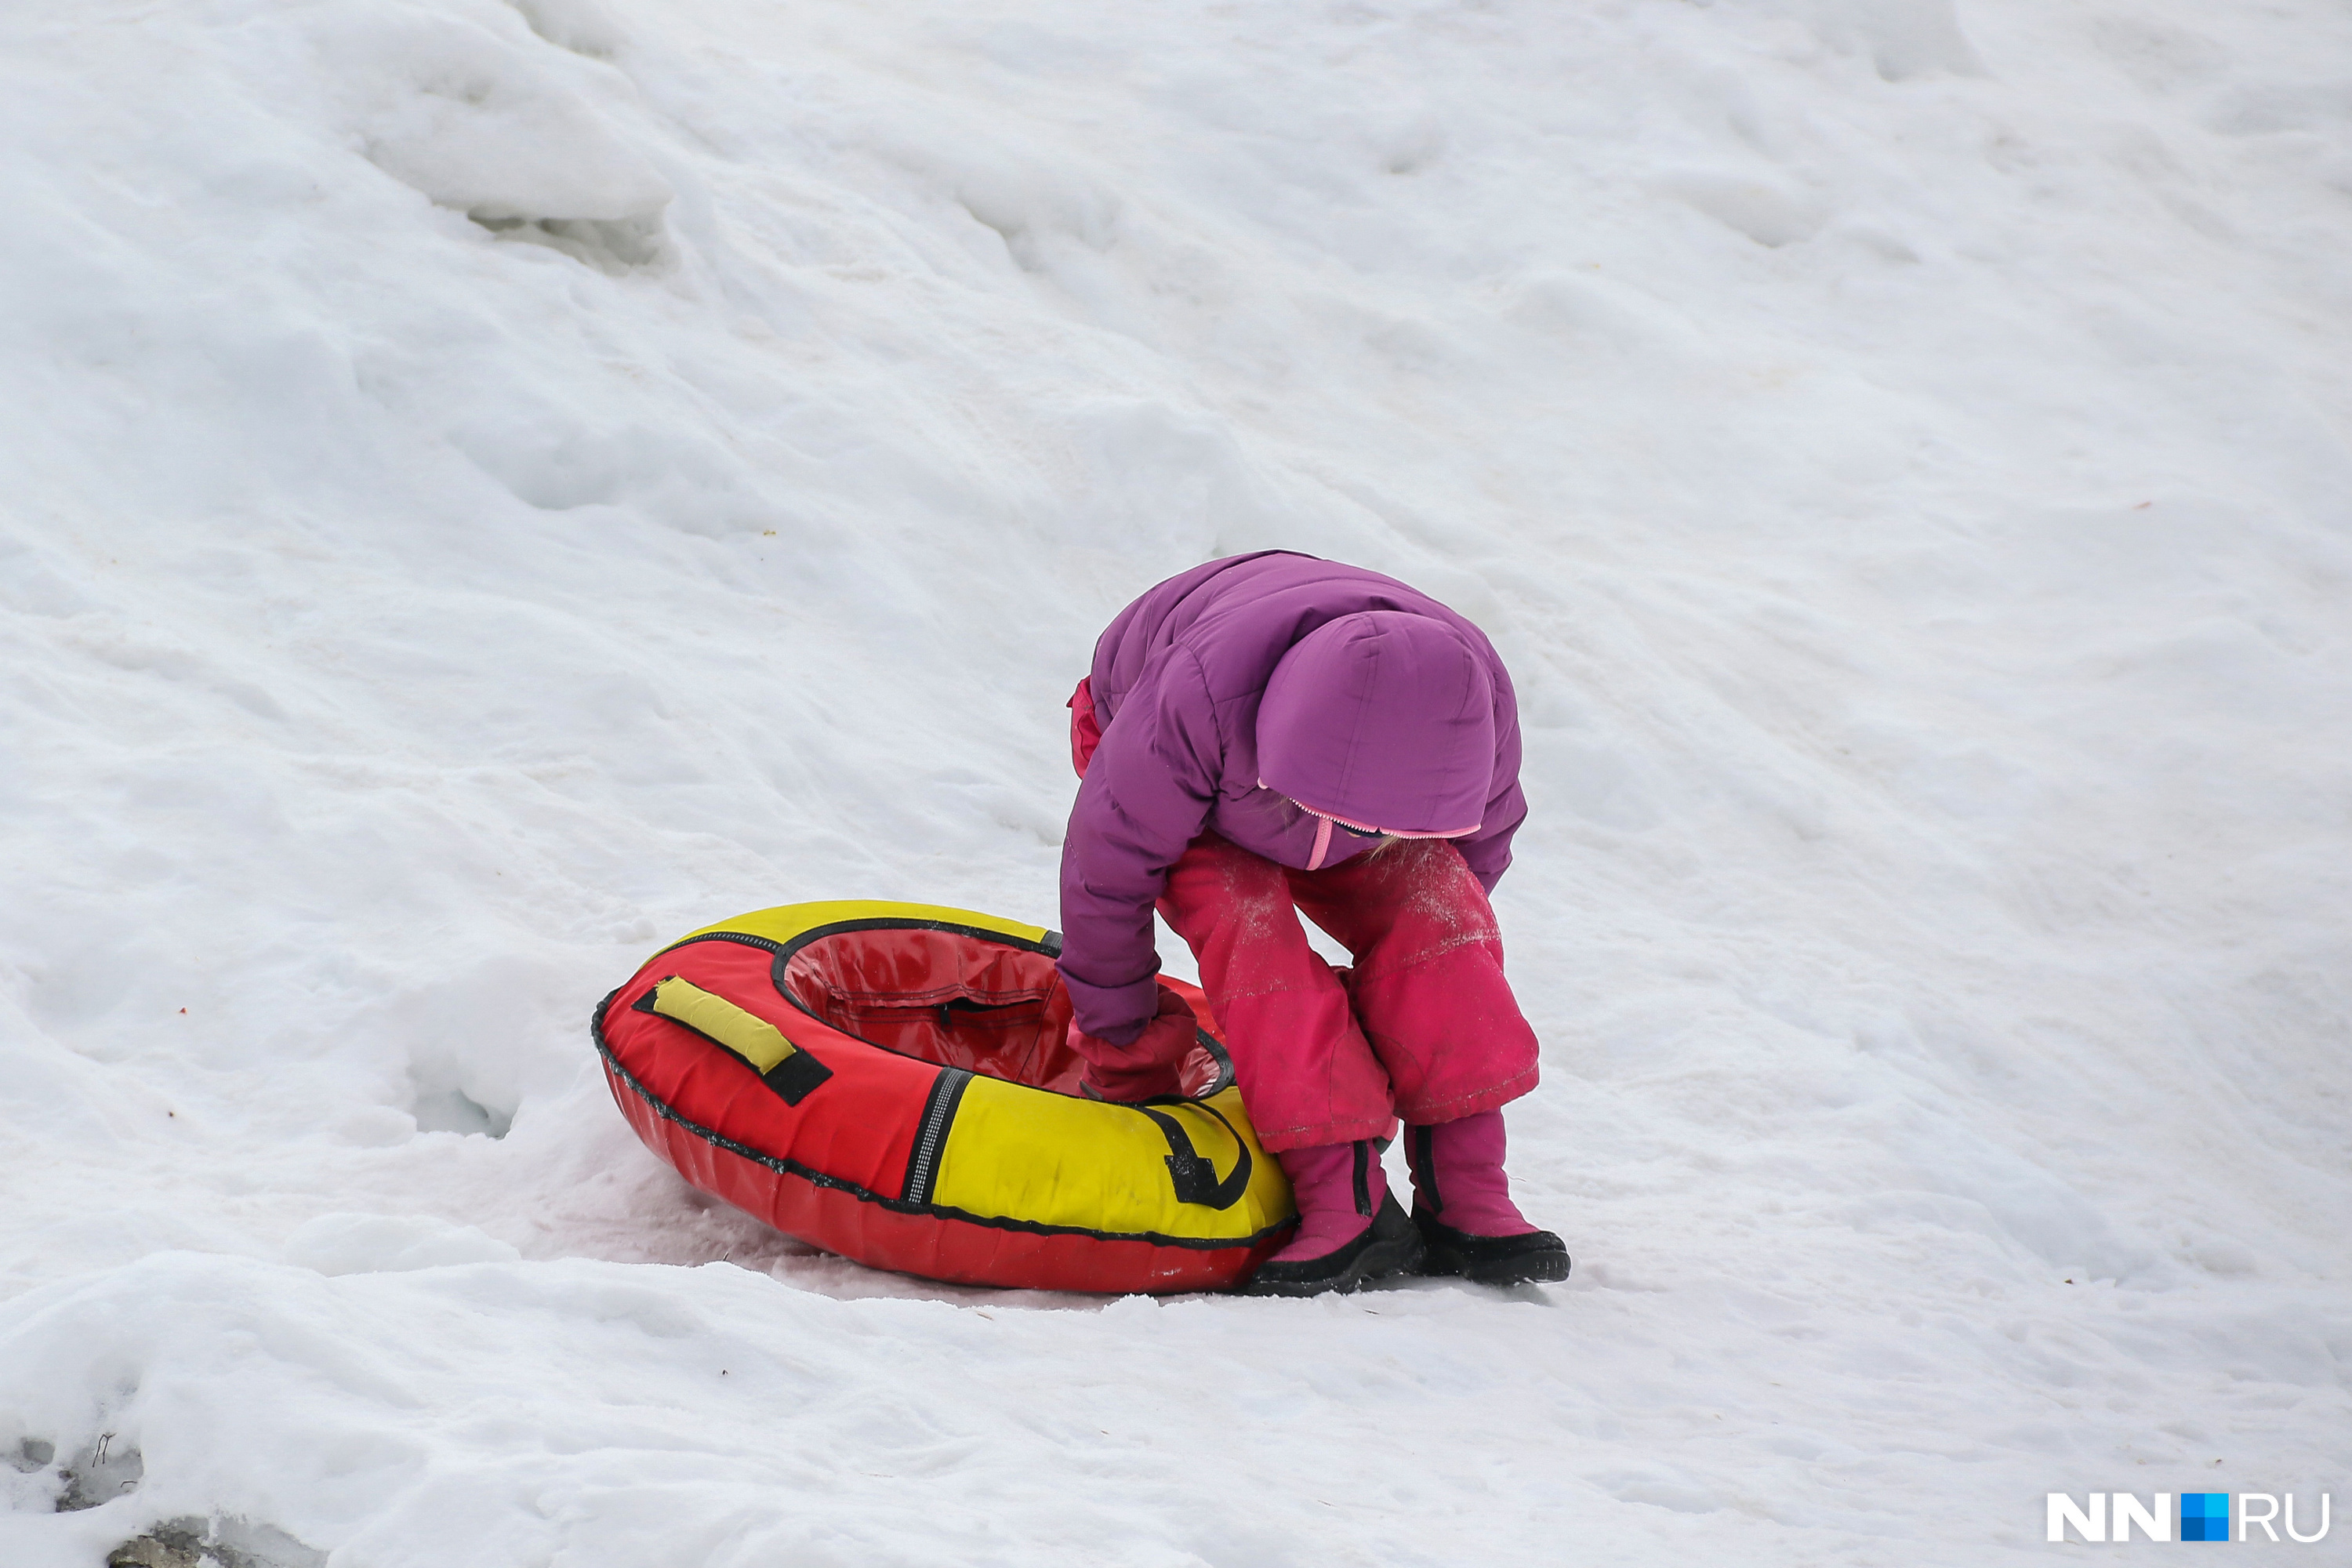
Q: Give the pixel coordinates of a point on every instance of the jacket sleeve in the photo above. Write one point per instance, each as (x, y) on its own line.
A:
(1489, 851)
(1147, 793)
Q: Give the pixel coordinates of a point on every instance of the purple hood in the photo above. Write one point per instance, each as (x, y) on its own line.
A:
(1382, 719)
(1338, 687)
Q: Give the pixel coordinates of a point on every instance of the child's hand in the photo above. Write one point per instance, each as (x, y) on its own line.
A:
(1145, 1069)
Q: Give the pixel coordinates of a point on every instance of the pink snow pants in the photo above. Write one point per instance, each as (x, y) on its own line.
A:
(1424, 1026)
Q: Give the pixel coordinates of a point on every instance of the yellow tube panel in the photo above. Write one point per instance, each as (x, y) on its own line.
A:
(1019, 1154)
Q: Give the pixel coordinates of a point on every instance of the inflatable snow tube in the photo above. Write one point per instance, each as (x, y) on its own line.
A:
(892, 1083)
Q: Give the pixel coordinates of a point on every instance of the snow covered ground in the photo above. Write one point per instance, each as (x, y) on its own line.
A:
(490, 487)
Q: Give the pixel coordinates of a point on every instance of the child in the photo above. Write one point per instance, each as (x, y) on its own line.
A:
(1271, 730)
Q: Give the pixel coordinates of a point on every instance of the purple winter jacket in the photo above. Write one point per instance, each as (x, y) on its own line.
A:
(1230, 693)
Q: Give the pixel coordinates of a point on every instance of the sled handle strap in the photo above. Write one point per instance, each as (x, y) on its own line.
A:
(783, 1065)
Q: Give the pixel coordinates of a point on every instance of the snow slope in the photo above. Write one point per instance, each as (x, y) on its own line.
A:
(491, 487)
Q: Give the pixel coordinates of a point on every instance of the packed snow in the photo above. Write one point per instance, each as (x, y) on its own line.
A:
(491, 486)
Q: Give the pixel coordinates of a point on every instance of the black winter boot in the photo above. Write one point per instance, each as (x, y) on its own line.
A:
(1351, 1230)
(1538, 1257)
(1458, 1174)
(1390, 1245)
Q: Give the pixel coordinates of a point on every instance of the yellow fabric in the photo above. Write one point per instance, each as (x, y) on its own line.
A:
(1022, 1153)
(747, 1034)
(786, 922)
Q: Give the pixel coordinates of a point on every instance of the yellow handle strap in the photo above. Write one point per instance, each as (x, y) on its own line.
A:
(747, 1034)
(791, 1071)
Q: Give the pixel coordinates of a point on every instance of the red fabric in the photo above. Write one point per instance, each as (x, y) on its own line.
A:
(1424, 1026)
(852, 1137)
(943, 998)
(929, 1244)
(1085, 730)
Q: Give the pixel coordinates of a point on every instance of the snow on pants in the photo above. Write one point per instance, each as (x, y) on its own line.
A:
(1424, 1026)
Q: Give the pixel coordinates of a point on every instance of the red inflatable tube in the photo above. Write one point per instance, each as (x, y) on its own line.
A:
(892, 1083)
